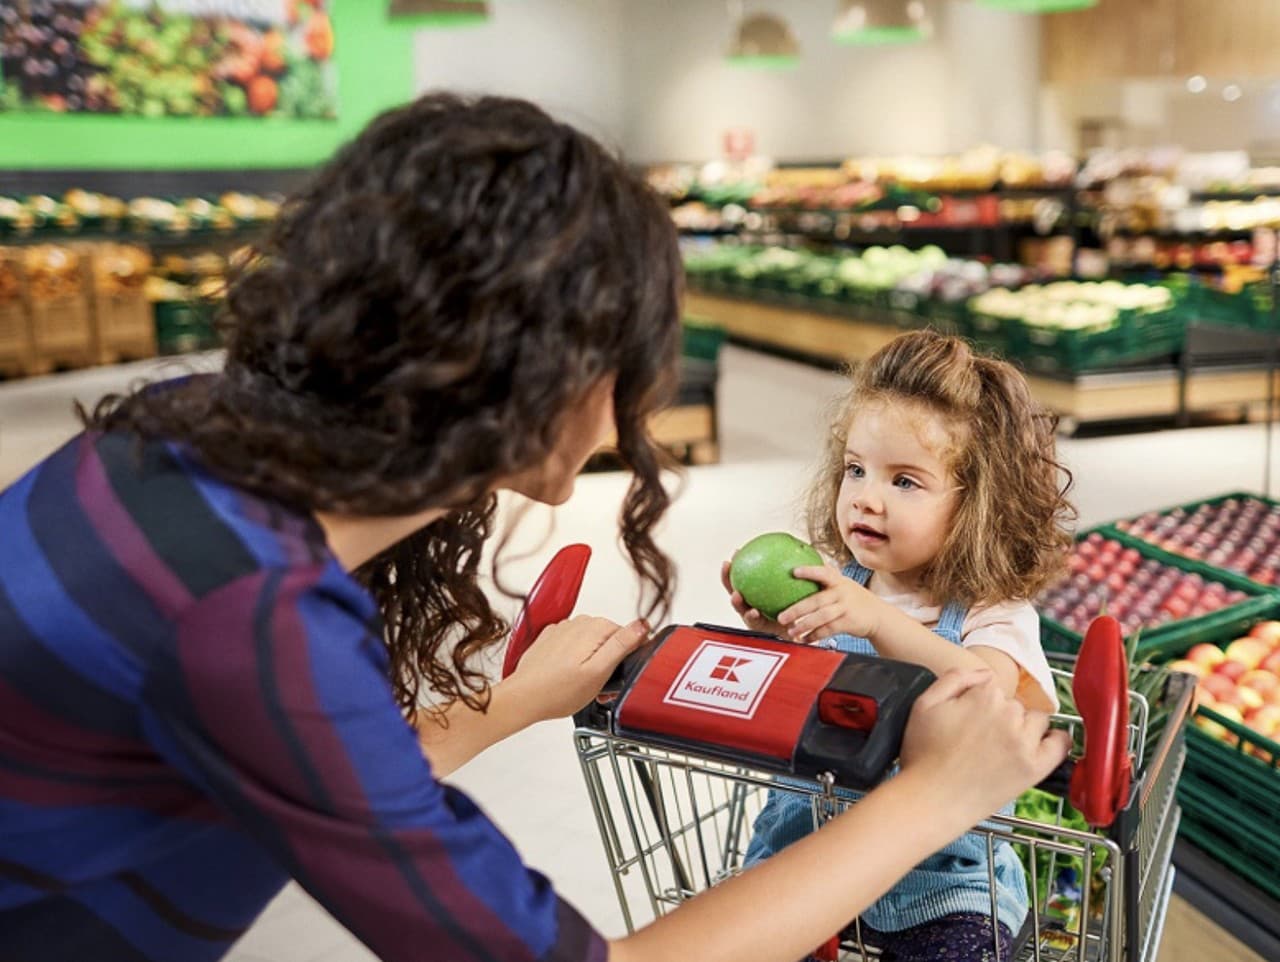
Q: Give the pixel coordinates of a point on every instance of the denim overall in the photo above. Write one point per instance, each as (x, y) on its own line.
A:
(953, 880)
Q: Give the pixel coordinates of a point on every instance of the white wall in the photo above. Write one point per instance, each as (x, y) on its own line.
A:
(1162, 111)
(975, 81)
(650, 76)
(565, 55)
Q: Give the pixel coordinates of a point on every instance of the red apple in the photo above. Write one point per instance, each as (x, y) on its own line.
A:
(1272, 662)
(1263, 720)
(1267, 632)
(1248, 651)
(1231, 669)
(1189, 667)
(1263, 682)
(1266, 722)
(1206, 655)
(1220, 687)
(1250, 700)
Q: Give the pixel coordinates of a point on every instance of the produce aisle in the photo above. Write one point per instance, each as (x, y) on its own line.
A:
(1238, 391)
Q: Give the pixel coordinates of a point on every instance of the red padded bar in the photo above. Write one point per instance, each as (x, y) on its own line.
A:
(749, 694)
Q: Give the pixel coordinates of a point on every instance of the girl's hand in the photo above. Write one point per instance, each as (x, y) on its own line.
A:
(568, 664)
(750, 617)
(842, 607)
(975, 745)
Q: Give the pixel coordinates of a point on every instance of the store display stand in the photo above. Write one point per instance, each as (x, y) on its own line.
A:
(838, 338)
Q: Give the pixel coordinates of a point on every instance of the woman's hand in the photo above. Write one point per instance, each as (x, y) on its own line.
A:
(568, 664)
(977, 746)
(750, 617)
(841, 607)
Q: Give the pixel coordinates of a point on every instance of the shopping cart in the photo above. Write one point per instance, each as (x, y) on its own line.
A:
(675, 811)
(674, 823)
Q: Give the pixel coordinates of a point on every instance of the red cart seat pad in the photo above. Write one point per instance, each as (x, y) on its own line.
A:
(747, 693)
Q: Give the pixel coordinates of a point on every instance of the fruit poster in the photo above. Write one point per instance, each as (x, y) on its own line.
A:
(168, 58)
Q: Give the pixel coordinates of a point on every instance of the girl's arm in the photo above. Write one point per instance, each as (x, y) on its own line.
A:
(845, 607)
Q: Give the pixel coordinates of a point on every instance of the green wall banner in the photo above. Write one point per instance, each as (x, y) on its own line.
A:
(178, 58)
(193, 84)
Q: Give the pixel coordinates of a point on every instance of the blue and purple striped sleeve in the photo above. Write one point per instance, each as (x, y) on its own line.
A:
(275, 701)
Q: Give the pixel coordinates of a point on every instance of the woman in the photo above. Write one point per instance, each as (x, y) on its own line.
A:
(222, 601)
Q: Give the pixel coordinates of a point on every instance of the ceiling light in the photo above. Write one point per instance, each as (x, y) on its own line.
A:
(1039, 6)
(1231, 93)
(439, 13)
(764, 40)
(1196, 84)
(881, 21)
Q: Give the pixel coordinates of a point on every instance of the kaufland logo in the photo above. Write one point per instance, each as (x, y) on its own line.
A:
(725, 679)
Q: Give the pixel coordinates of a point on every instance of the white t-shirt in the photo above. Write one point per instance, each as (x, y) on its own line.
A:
(1012, 627)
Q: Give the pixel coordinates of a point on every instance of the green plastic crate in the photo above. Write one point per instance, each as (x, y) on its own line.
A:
(947, 317)
(1112, 530)
(183, 326)
(904, 309)
(1250, 307)
(701, 339)
(1214, 835)
(1173, 638)
(990, 333)
(1135, 337)
(1231, 800)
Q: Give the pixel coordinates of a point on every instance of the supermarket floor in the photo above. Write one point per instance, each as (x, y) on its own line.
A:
(770, 417)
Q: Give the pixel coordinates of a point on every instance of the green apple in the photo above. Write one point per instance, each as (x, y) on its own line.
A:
(761, 572)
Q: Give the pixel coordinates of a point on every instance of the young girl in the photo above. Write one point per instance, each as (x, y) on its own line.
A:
(941, 497)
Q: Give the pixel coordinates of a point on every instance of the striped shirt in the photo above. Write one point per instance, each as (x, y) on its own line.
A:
(195, 707)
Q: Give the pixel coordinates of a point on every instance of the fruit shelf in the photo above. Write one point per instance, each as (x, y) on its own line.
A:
(1255, 519)
(1164, 635)
(1230, 793)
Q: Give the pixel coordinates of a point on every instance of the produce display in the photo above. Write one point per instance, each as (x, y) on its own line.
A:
(158, 60)
(926, 272)
(80, 210)
(52, 272)
(1073, 305)
(1240, 682)
(1063, 326)
(120, 268)
(1105, 575)
(1241, 534)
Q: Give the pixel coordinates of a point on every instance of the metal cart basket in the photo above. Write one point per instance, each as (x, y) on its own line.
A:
(674, 824)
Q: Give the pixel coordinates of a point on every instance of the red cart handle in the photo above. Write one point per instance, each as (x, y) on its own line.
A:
(1100, 782)
(550, 600)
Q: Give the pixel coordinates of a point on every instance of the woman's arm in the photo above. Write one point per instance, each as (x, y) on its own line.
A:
(969, 750)
(563, 670)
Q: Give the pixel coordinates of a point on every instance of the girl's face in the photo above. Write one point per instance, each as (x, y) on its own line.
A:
(898, 495)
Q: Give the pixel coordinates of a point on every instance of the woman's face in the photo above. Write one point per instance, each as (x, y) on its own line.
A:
(587, 426)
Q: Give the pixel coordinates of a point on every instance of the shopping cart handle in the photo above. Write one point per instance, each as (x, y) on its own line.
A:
(550, 600)
(1099, 785)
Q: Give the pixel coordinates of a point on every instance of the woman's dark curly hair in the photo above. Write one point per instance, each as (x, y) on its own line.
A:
(1009, 534)
(415, 327)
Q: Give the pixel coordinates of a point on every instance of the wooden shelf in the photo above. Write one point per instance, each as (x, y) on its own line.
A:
(1086, 398)
(688, 431)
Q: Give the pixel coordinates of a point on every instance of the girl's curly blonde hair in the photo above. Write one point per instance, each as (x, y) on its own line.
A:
(1009, 532)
